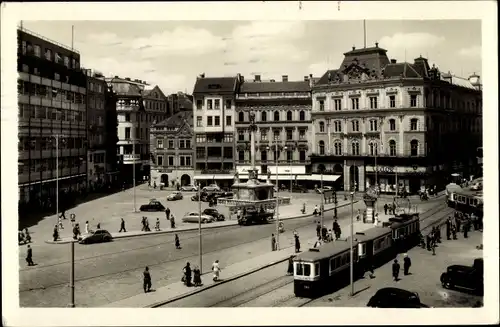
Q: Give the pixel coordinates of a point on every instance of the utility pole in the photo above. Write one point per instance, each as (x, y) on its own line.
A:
(351, 266)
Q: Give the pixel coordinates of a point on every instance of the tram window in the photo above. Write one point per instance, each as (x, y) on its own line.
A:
(316, 269)
(475, 202)
(299, 270)
(332, 264)
(307, 269)
(337, 262)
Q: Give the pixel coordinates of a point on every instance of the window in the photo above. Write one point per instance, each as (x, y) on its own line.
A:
(160, 160)
(373, 149)
(276, 135)
(302, 115)
(392, 124)
(217, 121)
(355, 103)
(263, 116)
(209, 120)
(58, 58)
(229, 121)
(182, 161)
(302, 134)
(302, 155)
(23, 44)
(241, 117)
(414, 148)
(392, 101)
(337, 146)
(355, 148)
(170, 144)
(48, 54)
(373, 125)
(355, 126)
(263, 155)
(66, 61)
(199, 104)
(263, 135)
(321, 105)
(127, 133)
(57, 77)
(289, 134)
(392, 148)
(289, 155)
(337, 125)
(170, 161)
(159, 144)
(413, 124)
(127, 117)
(181, 144)
(241, 136)
(38, 51)
(229, 104)
(209, 104)
(199, 121)
(338, 104)
(188, 144)
(413, 100)
(321, 127)
(276, 116)
(321, 147)
(289, 115)
(373, 102)
(241, 155)
(217, 104)
(26, 68)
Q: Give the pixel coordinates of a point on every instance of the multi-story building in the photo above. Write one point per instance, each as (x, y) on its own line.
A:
(172, 153)
(179, 102)
(379, 121)
(52, 121)
(213, 124)
(155, 104)
(133, 128)
(282, 111)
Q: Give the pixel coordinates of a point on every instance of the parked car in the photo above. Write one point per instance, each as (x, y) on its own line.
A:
(204, 197)
(299, 189)
(97, 236)
(466, 277)
(214, 213)
(153, 205)
(174, 196)
(392, 297)
(211, 188)
(189, 188)
(325, 188)
(194, 217)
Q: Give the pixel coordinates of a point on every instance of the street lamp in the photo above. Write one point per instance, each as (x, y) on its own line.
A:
(322, 199)
(291, 184)
(200, 249)
(276, 156)
(352, 240)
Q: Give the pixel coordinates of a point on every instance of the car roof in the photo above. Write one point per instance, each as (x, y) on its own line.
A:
(395, 290)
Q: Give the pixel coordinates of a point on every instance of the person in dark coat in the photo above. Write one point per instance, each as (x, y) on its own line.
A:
(448, 229)
(406, 264)
(177, 242)
(318, 229)
(29, 256)
(197, 276)
(454, 231)
(459, 223)
(146, 280)
(167, 213)
(187, 274)
(324, 232)
(122, 226)
(336, 228)
(290, 265)
(395, 270)
(438, 234)
(297, 243)
(172, 222)
(466, 229)
(428, 241)
(56, 233)
(273, 243)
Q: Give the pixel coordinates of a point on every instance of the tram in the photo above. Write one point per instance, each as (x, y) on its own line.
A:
(467, 200)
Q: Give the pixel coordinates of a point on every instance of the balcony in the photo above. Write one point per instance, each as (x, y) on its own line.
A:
(130, 158)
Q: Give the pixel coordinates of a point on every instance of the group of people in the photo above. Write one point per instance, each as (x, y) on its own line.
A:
(24, 237)
(396, 267)
(170, 217)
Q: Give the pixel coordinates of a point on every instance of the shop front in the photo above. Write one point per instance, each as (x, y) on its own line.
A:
(411, 179)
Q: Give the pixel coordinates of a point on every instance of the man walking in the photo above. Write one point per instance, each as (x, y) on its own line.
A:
(56, 233)
(147, 280)
(122, 226)
(318, 229)
(29, 256)
(167, 213)
(406, 264)
(297, 243)
(448, 229)
(273, 243)
(385, 209)
(395, 270)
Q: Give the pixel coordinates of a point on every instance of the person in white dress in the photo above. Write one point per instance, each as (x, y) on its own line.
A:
(216, 269)
(87, 227)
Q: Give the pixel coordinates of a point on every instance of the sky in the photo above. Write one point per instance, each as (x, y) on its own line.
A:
(171, 54)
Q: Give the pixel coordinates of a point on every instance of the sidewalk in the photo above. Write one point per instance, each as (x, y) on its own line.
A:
(178, 290)
(292, 211)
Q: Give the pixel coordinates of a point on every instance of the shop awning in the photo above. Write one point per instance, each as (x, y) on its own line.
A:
(53, 180)
(326, 178)
(212, 177)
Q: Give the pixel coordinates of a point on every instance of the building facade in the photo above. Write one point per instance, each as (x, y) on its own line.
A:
(179, 102)
(376, 121)
(133, 128)
(213, 125)
(52, 121)
(172, 153)
(282, 111)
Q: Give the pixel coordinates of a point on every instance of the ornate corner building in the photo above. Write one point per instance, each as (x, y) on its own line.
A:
(378, 121)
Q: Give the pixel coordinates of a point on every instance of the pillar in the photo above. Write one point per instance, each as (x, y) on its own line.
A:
(347, 176)
(362, 182)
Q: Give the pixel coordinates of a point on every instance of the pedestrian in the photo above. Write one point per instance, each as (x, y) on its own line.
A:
(428, 241)
(318, 229)
(317, 244)
(406, 264)
(238, 214)
(459, 223)
(290, 265)
(297, 243)
(122, 226)
(385, 209)
(27, 235)
(172, 221)
(98, 225)
(466, 228)
(216, 269)
(438, 234)
(63, 214)
(434, 249)
(448, 229)
(316, 210)
(177, 242)
(157, 226)
(146, 280)
(454, 231)
(56, 233)
(143, 223)
(187, 275)
(154, 184)
(324, 232)
(167, 213)
(29, 256)
(87, 227)
(358, 216)
(273, 242)
(395, 270)
(197, 276)
(75, 232)
(60, 223)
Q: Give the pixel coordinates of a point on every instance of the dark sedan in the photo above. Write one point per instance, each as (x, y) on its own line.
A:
(97, 236)
(299, 189)
(153, 205)
(214, 213)
(465, 277)
(392, 297)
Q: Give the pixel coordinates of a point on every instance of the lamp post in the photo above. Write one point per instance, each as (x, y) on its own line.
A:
(322, 200)
(351, 267)
(276, 156)
(200, 249)
(291, 184)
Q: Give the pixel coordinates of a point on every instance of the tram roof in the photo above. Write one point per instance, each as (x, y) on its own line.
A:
(326, 250)
(371, 234)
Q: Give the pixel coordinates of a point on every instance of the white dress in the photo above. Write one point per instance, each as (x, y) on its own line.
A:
(86, 228)
(216, 269)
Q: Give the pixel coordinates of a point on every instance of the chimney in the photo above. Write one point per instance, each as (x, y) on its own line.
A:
(257, 78)
(127, 79)
(376, 44)
(284, 78)
(272, 81)
(202, 75)
(116, 76)
(353, 47)
(242, 78)
(311, 80)
(306, 78)
(393, 61)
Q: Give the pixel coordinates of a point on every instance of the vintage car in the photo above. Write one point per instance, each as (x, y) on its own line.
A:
(211, 188)
(465, 277)
(392, 297)
(214, 213)
(189, 188)
(204, 197)
(194, 217)
(97, 236)
(153, 205)
(174, 196)
(296, 188)
(325, 188)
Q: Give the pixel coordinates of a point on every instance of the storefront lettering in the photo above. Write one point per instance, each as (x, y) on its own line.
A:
(385, 169)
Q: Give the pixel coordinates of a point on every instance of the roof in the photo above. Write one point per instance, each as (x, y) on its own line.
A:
(215, 85)
(402, 69)
(458, 81)
(371, 234)
(373, 58)
(326, 250)
(262, 87)
(177, 120)
(124, 88)
(148, 89)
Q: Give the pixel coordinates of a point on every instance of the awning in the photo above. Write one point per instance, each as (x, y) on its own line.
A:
(223, 176)
(53, 179)
(212, 177)
(326, 178)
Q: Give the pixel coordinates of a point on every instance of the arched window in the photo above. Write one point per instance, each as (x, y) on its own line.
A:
(373, 125)
(355, 148)
(392, 124)
(413, 124)
(302, 115)
(289, 115)
(276, 116)
(241, 116)
(414, 147)
(392, 147)
(355, 126)
(321, 147)
(321, 127)
(263, 116)
(373, 149)
(337, 147)
(337, 126)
